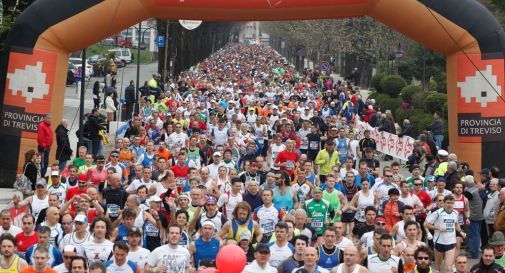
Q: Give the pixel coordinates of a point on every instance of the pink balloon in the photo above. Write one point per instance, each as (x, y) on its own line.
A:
(208, 270)
(231, 259)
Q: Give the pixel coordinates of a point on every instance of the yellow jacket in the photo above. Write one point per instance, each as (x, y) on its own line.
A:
(324, 161)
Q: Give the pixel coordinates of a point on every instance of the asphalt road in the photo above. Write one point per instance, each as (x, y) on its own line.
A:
(123, 77)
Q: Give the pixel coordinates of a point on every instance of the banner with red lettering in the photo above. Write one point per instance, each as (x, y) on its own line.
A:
(390, 144)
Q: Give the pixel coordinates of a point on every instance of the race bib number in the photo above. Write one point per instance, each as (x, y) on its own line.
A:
(290, 165)
(449, 225)
(113, 210)
(314, 145)
(317, 223)
(268, 227)
(304, 144)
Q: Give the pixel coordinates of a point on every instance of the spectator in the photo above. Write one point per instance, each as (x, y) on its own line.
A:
(45, 141)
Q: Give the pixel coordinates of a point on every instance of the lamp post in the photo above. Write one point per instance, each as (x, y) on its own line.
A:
(398, 54)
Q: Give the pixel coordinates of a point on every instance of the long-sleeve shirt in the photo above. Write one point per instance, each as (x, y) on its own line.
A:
(326, 162)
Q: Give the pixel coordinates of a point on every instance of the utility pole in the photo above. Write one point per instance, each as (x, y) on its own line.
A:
(81, 101)
(165, 61)
(137, 86)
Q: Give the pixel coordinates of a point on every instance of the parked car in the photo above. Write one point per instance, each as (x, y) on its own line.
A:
(108, 42)
(78, 63)
(123, 54)
(93, 59)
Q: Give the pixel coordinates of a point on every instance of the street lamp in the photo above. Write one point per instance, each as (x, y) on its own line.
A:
(398, 54)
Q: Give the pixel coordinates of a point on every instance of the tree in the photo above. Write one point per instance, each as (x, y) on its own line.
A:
(11, 10)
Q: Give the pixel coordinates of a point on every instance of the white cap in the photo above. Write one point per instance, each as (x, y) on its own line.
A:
(55, 173)
(81, 218)
(217, 154)
(442, 152)
(153, 198)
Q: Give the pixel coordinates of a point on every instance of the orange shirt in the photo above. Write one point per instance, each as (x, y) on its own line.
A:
(30, 269)
(391, 209)
(165, 153)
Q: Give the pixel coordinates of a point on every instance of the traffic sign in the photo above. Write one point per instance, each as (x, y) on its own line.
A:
(160, 40)
(325, 66)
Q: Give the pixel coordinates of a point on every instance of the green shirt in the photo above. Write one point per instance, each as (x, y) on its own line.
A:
(334, 201)
(326, 162)
(78, 162)
(501, 261)
(318, 211)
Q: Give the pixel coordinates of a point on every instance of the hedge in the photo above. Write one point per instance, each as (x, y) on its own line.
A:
(376, 81)
(392, 85)
(435, 102)
(391, 104)
(409, 91)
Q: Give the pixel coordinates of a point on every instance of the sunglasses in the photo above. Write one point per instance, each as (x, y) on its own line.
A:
(418, 184)
(67, 223)
(388, 176)
(114, 156)
(380, 224)
(423, 258)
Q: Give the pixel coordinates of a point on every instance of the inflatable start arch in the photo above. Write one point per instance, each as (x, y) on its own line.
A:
(34, 64)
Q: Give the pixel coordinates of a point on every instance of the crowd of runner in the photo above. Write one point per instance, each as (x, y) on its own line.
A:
(243, 149)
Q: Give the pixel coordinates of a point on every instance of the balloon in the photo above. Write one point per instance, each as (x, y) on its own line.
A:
(208, 270)
(231, 259)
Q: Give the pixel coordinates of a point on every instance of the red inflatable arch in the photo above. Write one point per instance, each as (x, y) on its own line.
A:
(463, 30)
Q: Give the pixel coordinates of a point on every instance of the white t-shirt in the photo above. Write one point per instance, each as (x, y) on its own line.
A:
(177, 139)
(135, 184)
(279, 253)
(98, 252)
(376, 265)
(230, 202)
(447, 219)
(13, 230)
(345, 243)
(176, 259)
(411, 200)
(254, 267)
(318, 269)
(60, 191)
(60, 268)
(71, 239)
(139, 257)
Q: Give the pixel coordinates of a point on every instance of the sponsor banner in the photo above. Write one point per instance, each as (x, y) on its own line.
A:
(390, 144)
(480, 102)
(28, 92)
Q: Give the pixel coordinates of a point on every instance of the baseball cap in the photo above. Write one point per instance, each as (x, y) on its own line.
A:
(82, 177)
(431, 178)
(263, 248)
(442, 153)
(55, 173)
(69, 248)
(245, 235)
(211, 200)
(114, 153)
(317, 189)
(217, 154)
(41, 181)
(81, 219)
(153, 198)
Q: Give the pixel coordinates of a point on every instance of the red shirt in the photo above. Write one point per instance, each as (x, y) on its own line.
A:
(75, 191)
(45, 135)
(290, 158)
(390, 211)
(23, 242)
(180, 171)
(92, 213)
(425, 199)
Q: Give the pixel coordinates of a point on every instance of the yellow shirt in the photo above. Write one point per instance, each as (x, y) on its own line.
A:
(325, 162)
